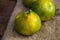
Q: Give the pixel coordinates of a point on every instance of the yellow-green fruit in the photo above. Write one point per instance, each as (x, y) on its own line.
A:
(27, 23)
(29, 3)
(45, 9)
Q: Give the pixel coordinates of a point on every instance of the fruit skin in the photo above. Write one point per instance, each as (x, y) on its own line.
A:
(27, 23)
(45, 9)
(29, 3)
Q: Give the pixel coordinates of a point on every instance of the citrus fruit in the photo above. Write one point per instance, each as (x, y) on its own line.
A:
(29, 3)
(27, 23)
(45, 9)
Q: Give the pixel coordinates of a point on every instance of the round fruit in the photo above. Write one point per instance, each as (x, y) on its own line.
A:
(45, 9)
(27, 23)
(29, 3)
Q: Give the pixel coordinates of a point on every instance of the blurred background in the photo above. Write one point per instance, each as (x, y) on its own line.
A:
(6, 8)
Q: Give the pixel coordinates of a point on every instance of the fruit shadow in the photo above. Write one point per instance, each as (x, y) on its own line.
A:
(22, 34)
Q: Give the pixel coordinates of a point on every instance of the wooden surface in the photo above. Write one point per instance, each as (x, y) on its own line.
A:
(6, 8)
(50, 30)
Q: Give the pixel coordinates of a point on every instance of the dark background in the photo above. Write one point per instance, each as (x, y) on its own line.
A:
(6, 8)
